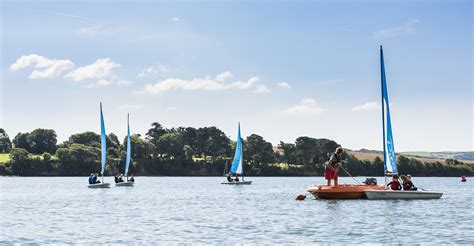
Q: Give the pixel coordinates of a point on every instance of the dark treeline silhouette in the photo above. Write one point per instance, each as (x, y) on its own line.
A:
(189, 151)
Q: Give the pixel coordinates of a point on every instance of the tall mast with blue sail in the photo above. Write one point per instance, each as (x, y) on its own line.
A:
(237, 164)
(129, 150)
(390, 159)
(103, 143)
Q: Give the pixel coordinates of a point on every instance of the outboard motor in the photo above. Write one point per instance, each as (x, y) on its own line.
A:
(370, 181)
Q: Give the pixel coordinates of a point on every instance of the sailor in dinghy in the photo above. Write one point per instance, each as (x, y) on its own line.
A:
(390, 160)
(237, 165)
(127, 160)
(95, 182)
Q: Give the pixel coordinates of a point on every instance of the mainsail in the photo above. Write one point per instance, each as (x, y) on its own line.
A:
(237, 164)
(127, 159)
(390, 159)
(103, 141)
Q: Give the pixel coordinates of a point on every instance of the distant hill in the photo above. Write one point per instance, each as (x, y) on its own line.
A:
(460, 156)
(467, 157)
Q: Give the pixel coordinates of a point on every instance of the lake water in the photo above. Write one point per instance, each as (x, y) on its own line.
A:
(201, 210)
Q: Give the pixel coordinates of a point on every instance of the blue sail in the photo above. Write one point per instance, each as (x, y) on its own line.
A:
(237, 164)
(103, 141)
(129, 151)
(390, 159)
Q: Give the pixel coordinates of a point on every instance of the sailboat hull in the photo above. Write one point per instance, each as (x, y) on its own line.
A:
(343, 191)
(400, 194)
(100, 185)
(124, 184)
(237, 183)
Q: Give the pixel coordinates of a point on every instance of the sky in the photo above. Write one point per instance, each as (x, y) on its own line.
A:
(283, 69)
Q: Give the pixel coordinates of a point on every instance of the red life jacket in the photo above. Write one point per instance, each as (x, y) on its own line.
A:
(395, 185)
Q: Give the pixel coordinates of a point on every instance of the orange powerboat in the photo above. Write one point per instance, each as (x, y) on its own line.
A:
(342, 191)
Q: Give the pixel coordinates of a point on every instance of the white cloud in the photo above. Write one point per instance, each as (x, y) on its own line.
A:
(284, 85)
(176, 19)
(130, 107)
(368, 106)
(207, 83)
(224, 76)
(44, 67)
(261, 89)
(98, 70)
(406, 28)
(152, 70)
(307, 105)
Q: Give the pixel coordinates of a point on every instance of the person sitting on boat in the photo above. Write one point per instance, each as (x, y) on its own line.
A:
(395, 184)
(94, 179)
(236, 179)
(332, 166)
(120, 178)
(132, 179)
(229, 178)
(116, 178)
(410, 185)
(90, 178)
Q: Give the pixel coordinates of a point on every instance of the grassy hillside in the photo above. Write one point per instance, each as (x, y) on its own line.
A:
(427, 158)
(4, 158)
(461, 156)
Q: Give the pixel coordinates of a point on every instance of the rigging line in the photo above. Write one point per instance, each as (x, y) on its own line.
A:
(349, 174)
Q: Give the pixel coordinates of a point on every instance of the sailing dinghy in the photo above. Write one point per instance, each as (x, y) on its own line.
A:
(390, 160)
(103, 152)
(127, 159)
(238, 163)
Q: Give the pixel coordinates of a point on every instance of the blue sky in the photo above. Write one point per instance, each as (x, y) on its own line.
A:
(283, 69)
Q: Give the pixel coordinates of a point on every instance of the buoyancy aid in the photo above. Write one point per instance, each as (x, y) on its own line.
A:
(395, 185)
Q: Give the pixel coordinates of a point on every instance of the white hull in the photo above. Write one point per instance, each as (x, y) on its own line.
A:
(100, 185)
(237, 183)
(124, 184)
(399, 194)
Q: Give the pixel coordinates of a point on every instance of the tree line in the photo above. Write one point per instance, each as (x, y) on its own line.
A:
(190, 151)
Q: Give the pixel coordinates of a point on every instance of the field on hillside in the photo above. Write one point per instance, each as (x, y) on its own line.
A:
(4, 158)
(371, 156)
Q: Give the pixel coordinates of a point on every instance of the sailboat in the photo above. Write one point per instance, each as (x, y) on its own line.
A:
(390, 160)
(127, 158)
(237, 167)
(103, 153)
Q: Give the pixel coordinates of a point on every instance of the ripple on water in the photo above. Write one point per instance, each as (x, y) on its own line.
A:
(200, 210)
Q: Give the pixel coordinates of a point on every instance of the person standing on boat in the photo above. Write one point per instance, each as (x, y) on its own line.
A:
(332, 166)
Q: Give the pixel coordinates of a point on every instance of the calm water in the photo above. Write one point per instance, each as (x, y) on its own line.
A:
(200, 210)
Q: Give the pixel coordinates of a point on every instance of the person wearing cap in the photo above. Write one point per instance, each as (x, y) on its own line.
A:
(332, 166)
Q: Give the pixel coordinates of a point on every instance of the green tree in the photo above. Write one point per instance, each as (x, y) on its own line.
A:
(140, 148)
(155, 132)
(42, 140)
(170, 145)
(88, 138)
(288, 152)
(259, 152)
(19, 161)
(112, 141)
(79, 159)
(20, 141)
(5, 143)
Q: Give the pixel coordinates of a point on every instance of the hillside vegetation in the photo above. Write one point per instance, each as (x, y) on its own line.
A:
(195, 152)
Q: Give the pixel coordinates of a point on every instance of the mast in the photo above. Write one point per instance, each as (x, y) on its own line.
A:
(103, 144)
(390, 158)
(382, 75)
(129, 148)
